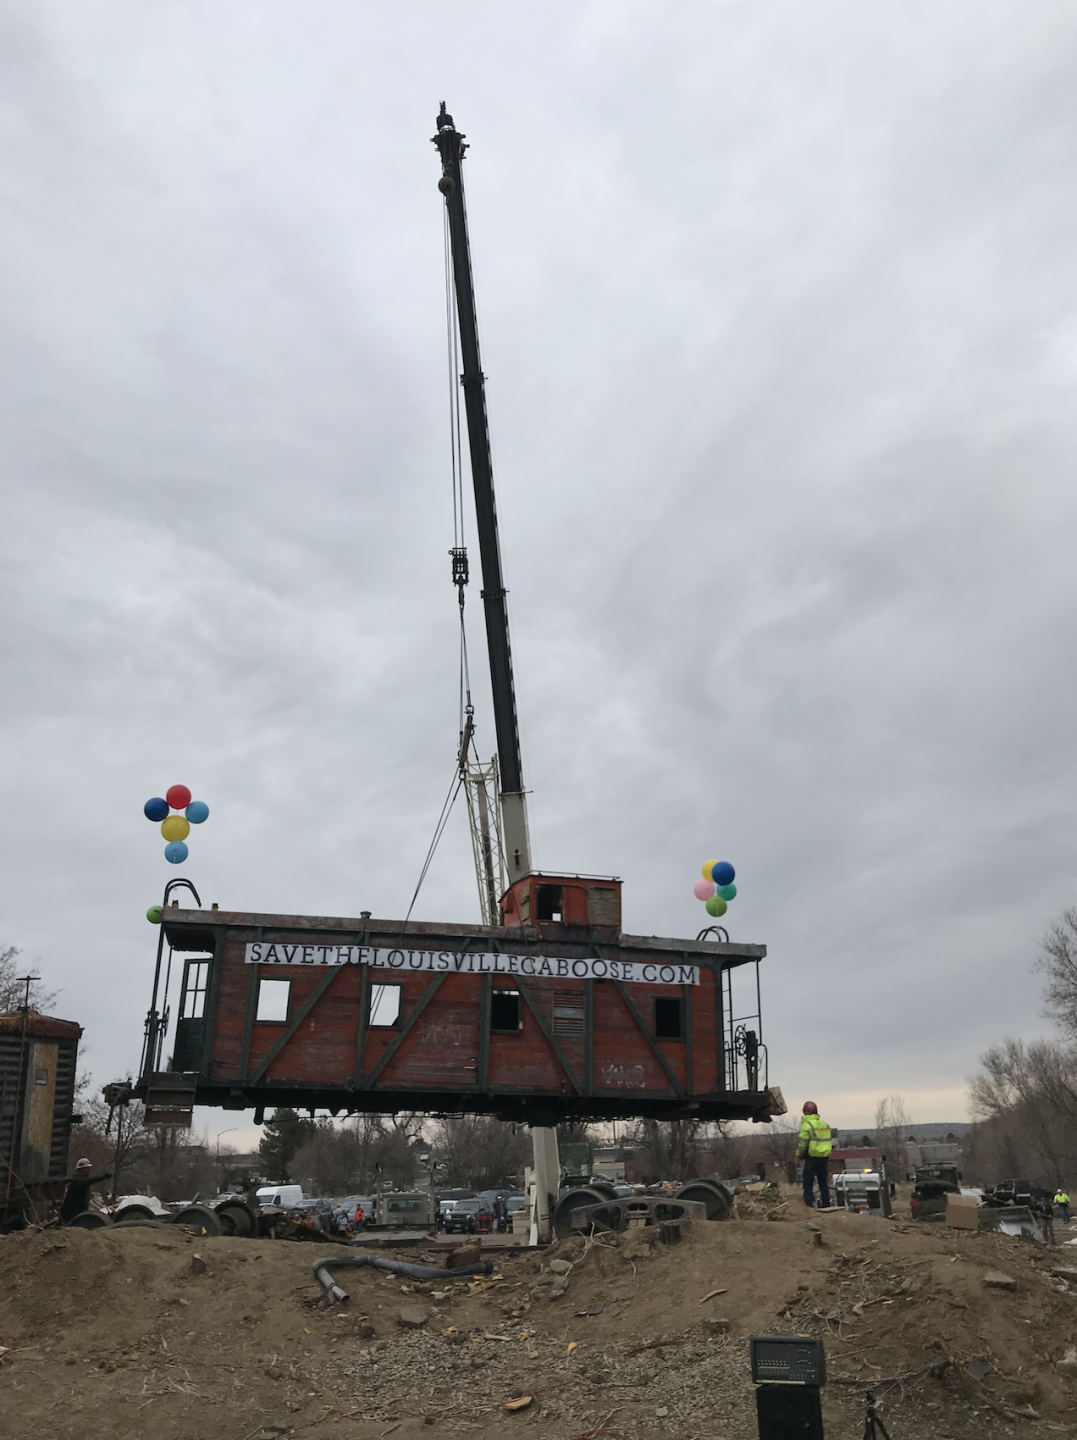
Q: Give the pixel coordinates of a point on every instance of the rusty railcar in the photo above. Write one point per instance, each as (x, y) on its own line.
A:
(38, 1057)
(555, 1014)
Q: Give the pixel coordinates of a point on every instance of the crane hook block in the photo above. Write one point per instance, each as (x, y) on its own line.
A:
(459, 565)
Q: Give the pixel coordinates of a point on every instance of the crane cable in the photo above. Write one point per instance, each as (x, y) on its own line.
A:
(459, 560)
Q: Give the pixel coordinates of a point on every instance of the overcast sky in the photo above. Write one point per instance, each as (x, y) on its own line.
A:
(778, 314)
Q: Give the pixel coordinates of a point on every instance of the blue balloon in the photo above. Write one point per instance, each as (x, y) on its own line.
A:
(155, 809)
(722, 873)
(197, 811)
(176, 852)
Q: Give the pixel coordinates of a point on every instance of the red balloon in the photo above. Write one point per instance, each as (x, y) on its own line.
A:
(178, 796)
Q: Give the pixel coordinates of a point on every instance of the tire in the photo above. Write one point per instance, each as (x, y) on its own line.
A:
(569, 1204)
(89, 1220)
(607, 1191)
(237, 1219)
(133, 1212)
(199, 1218)
(712, 1193)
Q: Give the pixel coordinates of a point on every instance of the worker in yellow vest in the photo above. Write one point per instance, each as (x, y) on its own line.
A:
(1062, 1200)
(814, 1145)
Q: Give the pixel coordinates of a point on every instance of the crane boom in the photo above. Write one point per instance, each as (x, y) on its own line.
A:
(451, 147)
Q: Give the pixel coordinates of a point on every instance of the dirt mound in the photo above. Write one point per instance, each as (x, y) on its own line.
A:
(124, 1333)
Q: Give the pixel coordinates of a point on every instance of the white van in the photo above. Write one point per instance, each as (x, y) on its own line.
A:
(286, 1195)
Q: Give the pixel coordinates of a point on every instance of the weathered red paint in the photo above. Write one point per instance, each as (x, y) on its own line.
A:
(593, 1058)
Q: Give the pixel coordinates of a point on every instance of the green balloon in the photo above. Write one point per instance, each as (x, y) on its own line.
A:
(727, 892)
(154, 913)
(716, 905)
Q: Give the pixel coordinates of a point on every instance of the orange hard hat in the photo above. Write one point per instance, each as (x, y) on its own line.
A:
(810, 1107)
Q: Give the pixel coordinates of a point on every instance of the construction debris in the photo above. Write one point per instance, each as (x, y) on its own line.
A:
(111, 1330)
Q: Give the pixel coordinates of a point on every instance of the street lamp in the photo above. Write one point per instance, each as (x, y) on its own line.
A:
(230, 1131)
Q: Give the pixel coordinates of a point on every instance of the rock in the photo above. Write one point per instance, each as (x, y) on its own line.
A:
(997, 1280)
(716, 1325)
(469, 1253)
(366, 1330)
(1068, 1363)
(272, 1372)
(560, 1267)
(197, 1265)
(558, 1286)
(412, 1317)
(662, 1412)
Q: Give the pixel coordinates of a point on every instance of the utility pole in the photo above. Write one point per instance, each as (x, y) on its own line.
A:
(451, 147)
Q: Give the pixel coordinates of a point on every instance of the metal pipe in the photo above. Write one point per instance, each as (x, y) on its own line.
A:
(395, 1267)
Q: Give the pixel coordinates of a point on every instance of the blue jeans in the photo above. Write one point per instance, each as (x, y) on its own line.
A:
(815, 1168)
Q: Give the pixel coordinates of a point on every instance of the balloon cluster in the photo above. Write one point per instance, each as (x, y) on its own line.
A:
(176, 828)
(716, 887)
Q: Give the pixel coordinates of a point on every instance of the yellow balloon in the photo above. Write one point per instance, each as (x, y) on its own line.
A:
(176, 827)
(708, 866)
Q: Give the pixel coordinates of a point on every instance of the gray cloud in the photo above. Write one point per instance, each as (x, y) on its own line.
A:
(778, 315)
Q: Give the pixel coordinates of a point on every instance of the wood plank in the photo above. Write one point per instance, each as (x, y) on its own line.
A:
(364, 1026)
(486, 994)
(301, 1014)
(688, 1082)
(369, 1081)
(588, 1037)
(253, 978)
(548, 1035)
(678, 1088)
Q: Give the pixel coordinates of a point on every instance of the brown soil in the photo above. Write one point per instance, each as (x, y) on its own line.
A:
(109, 1334)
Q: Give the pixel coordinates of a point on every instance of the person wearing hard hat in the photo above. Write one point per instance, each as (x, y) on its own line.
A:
(814, 1145)
(77, 1196)
(1062, 1200)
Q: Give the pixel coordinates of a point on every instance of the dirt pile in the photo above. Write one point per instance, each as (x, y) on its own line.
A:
(124, 1333)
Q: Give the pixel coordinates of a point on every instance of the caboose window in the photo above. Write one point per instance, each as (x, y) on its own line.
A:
(548, 902)
(385, 1004)
(193, 1004)
(273, 998)
(669, 1019)
(505, 1010)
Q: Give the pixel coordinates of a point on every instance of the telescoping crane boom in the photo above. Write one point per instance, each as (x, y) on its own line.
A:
(513, 801)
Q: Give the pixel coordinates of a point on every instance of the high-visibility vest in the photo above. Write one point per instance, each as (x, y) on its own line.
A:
(1062, 1198)
(816, 1131)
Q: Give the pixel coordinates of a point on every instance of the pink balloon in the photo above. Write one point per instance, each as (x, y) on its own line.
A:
(703, 889)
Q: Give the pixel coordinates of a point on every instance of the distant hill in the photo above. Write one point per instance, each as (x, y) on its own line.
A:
(933, 1130)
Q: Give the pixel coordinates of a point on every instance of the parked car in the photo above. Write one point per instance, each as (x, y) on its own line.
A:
(463, 1218)
(1020, 1192)
(407, 1209)
(285, 1195)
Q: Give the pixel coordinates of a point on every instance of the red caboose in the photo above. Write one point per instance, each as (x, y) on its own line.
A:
(556, 1014)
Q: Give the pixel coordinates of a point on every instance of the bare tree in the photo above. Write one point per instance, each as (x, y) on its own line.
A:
(338, 1159)
(892, 1133)
(13, 989)
(480, 1152)
(1058, 961)
(1026, 1100)
(779, 1146)
(670, 1149)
